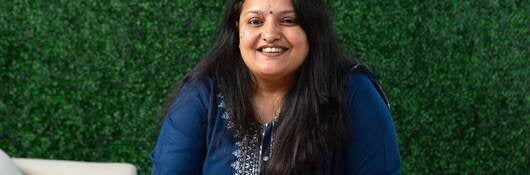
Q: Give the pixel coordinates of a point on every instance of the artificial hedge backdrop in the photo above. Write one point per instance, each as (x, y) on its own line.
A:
(84, 80)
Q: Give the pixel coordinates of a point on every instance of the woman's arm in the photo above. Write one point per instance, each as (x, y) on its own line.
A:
(374, 145)
(180, 148)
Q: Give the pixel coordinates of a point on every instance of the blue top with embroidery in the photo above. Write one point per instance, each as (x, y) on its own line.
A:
(194, 138)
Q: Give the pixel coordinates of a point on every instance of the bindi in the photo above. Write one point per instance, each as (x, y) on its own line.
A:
(270, 12)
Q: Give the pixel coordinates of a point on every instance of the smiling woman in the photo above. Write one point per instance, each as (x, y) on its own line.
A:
(275, 96)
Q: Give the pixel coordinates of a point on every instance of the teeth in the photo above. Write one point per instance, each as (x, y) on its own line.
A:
(273, 49)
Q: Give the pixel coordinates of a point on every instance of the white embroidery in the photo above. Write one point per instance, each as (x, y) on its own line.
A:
(247, 150)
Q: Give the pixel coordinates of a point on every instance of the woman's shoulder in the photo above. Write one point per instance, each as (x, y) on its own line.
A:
(356, 79)
(359, 79)
(358, 83)
(356, 75)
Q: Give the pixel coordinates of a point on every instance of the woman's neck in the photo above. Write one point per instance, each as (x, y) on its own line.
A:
(268, 97)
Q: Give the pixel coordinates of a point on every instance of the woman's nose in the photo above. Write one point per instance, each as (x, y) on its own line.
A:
(271, 33)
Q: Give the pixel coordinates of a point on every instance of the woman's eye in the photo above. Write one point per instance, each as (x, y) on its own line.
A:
(255, 21)
(289, 21)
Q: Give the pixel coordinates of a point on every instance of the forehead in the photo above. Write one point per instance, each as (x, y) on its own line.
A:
(267, 6)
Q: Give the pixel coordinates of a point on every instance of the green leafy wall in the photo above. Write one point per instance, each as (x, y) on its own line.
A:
(85, 80)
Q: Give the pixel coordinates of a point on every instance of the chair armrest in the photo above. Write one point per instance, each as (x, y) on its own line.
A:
(64, 167)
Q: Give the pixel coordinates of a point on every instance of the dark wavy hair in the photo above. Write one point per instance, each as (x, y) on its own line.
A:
(311, 121)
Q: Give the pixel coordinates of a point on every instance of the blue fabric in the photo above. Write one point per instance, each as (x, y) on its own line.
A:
(194, 138)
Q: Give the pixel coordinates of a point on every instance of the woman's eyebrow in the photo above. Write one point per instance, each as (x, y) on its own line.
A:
(286, 12)
(254, 12)
(260, 12)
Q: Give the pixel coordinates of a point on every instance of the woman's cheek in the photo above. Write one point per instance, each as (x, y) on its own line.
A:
(247, 37)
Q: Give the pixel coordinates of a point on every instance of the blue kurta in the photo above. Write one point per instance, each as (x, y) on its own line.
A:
(194, 138)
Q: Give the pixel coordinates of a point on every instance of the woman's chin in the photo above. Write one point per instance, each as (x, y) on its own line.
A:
(272, 74)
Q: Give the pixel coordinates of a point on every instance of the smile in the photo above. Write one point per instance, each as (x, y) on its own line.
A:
(272, 49)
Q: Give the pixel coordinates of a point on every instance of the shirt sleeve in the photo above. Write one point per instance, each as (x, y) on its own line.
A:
(180, 148)
(373, 146)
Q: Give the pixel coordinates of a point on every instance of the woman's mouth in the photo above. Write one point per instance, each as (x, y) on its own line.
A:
(272, 51)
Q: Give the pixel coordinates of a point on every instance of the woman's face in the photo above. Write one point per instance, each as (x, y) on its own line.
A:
(272, 44)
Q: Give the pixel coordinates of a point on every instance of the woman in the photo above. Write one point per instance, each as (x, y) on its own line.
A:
(273, 97)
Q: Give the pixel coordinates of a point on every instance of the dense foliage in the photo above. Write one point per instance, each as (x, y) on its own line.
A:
(84, 80)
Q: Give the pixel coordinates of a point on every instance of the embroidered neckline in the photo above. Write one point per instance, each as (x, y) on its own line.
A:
(248, 151)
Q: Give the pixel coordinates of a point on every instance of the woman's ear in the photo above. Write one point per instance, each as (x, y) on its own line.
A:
(237, 24)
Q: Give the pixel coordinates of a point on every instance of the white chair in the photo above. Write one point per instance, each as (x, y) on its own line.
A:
(25, 166)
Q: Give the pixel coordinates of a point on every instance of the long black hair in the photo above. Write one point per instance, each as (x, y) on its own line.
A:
(312, 119)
